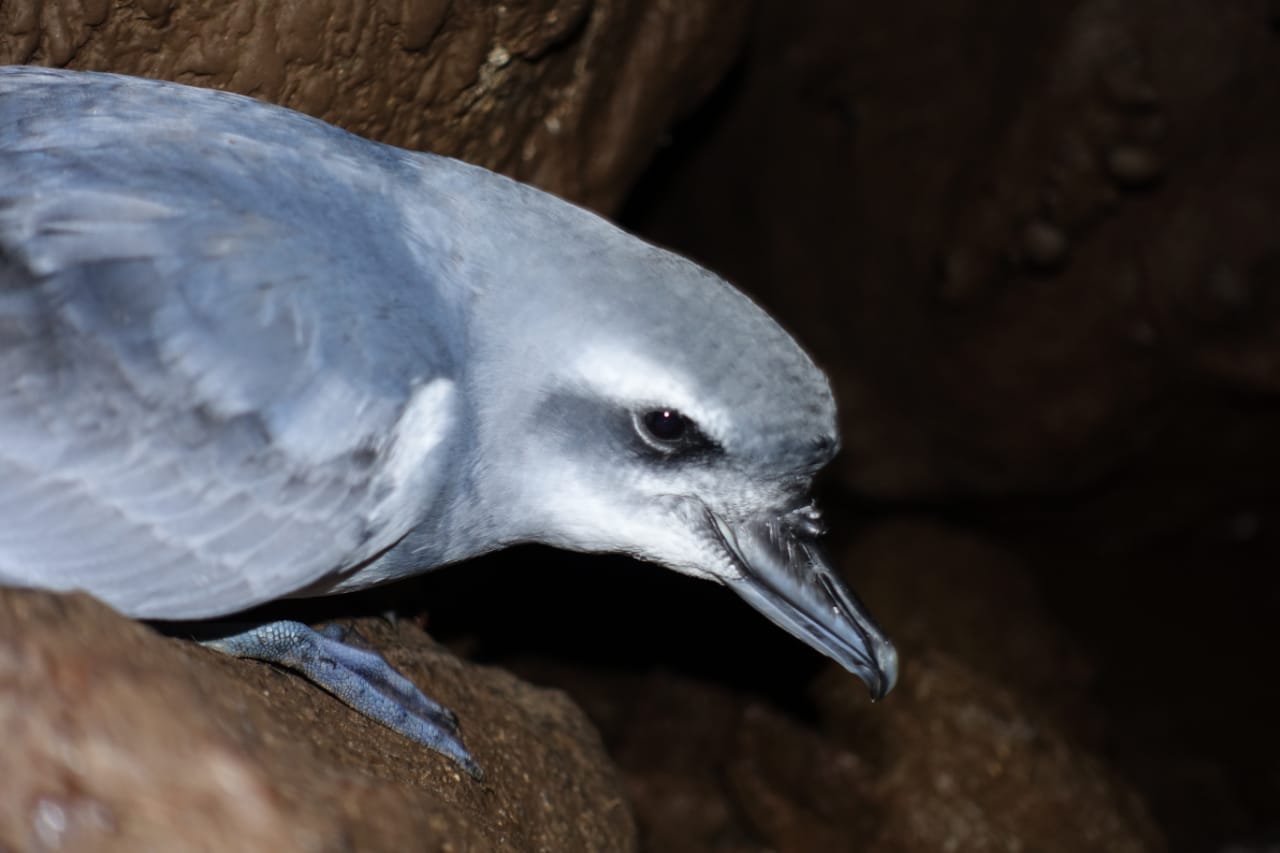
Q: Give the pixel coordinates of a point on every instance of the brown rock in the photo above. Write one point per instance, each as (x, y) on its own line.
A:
(940, 588)
(571, 95)
(991, 741)
(962, 765)
(117, 738)
(709, 768)
(951, 761)
(1134, 166)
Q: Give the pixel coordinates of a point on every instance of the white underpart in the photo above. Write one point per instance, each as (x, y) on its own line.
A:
(586, 523)
(412, 466)
(639, 519)
(410, 478)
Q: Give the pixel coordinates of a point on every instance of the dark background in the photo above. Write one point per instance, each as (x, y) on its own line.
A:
(1037, 247)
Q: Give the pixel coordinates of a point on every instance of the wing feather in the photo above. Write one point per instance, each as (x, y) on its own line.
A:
(210, 342)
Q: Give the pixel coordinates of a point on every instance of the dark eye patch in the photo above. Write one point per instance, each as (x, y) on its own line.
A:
(589, 425)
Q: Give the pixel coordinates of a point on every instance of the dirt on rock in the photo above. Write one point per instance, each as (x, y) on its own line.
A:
(992, 741)
(118, 738)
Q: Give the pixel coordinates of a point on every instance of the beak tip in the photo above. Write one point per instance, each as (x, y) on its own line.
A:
(886, 670)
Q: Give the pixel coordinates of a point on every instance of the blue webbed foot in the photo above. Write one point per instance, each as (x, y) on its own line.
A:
(359, 677)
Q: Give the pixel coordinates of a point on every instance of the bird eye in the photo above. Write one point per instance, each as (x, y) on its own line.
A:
(670, 433)
(666, 424)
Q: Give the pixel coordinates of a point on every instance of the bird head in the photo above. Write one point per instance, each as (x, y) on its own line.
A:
(633, 402)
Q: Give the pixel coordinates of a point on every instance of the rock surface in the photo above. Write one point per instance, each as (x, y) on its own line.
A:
(965, 764)
(117, 738)
(990, 742)
(571, 95)
(955, 761)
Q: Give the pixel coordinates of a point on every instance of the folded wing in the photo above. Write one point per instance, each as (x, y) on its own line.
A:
(219, 379)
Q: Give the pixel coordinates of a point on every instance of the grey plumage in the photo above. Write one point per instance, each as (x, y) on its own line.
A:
(246, 355)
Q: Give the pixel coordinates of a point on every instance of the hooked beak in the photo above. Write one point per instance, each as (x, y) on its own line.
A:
(783, 574)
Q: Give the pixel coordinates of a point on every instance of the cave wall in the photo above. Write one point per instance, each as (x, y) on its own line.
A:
(1035, 246)
(1032, 243)
(571, 95)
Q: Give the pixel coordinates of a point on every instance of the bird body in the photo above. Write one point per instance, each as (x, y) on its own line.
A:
(227, 397)
(246, 355)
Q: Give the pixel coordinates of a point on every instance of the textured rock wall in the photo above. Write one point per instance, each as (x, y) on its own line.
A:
(119, 739)
(571, 95)
(739, 740)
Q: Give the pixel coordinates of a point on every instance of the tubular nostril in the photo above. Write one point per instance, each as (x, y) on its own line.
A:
(805, 519)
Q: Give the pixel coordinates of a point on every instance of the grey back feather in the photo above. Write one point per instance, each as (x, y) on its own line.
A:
(211, 331)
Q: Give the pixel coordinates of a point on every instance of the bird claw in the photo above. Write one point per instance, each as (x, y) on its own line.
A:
(334, 631)
(360, 678)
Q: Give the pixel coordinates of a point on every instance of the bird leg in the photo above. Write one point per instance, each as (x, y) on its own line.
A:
(358, 677)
